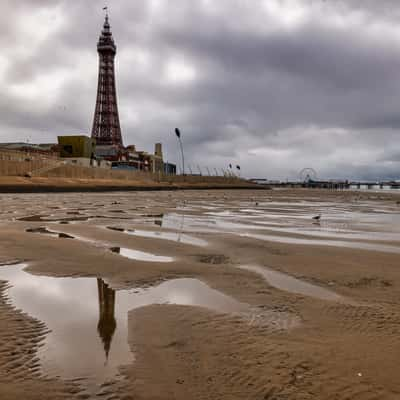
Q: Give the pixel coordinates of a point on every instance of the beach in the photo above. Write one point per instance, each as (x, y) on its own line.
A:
(208, 294)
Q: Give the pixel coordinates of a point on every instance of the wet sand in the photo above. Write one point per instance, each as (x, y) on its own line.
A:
(193, 295)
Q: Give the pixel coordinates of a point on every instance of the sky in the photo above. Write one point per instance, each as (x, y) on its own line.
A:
(274, 86)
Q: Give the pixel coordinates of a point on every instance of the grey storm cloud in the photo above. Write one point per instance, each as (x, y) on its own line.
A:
(272, 85)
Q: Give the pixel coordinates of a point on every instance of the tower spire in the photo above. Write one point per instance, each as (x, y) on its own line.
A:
(106, 25)
(106, 127)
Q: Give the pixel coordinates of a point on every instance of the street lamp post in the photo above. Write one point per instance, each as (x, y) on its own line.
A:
(178, 135)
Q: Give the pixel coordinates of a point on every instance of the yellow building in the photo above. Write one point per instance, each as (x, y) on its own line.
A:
(77, 146)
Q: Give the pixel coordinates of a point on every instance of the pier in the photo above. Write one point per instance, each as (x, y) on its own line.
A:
(330, 184)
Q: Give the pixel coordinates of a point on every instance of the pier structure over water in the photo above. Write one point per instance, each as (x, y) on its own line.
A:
(331, 184)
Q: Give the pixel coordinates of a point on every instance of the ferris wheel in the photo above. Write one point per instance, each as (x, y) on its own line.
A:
(307, 175)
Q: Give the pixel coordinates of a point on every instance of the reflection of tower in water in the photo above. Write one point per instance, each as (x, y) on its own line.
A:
(107, 323)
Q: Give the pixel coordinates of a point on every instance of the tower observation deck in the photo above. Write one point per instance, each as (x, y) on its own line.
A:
(106, 127)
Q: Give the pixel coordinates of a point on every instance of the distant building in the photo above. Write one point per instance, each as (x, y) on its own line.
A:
(42, 148)
(139, 160)
(169, 169)
(157, 162)
(110, 153)
(79, 149)
(76, 146)
(152, 162)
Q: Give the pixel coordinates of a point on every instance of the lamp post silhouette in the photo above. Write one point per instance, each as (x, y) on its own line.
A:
(178, 135)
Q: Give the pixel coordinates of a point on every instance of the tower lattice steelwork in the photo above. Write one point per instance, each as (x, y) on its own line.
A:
(106, 128)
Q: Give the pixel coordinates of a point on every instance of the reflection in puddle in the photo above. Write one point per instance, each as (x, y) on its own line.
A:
(107, 323)
(140, 255)
(288, 283)
(72, 308)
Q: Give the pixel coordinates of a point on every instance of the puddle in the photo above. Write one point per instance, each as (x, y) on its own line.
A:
(110, 217)
(196, 224)
(44, 218)
(224, 213)
(88, 320)
(288, 283)
(44, 231)
(63, 235)
(335, 243)
(33, 218)
(327, 232)
(122, 251)
(172, 236)
(140, 255)
(152, 215)
(10, 262)
(115, 228)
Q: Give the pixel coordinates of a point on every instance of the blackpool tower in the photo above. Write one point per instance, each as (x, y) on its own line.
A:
(106, 128)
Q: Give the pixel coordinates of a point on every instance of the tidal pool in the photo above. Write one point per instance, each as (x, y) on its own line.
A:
(172, 236)
(140, 255)
(288, 283)
(122, 251)
(327, 232)
(319, 242)
(88, 320)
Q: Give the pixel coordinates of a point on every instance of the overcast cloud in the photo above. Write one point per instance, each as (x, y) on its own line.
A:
(272, 85)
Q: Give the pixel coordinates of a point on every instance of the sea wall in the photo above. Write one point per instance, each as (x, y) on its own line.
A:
(80, 172)
(15, 163)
